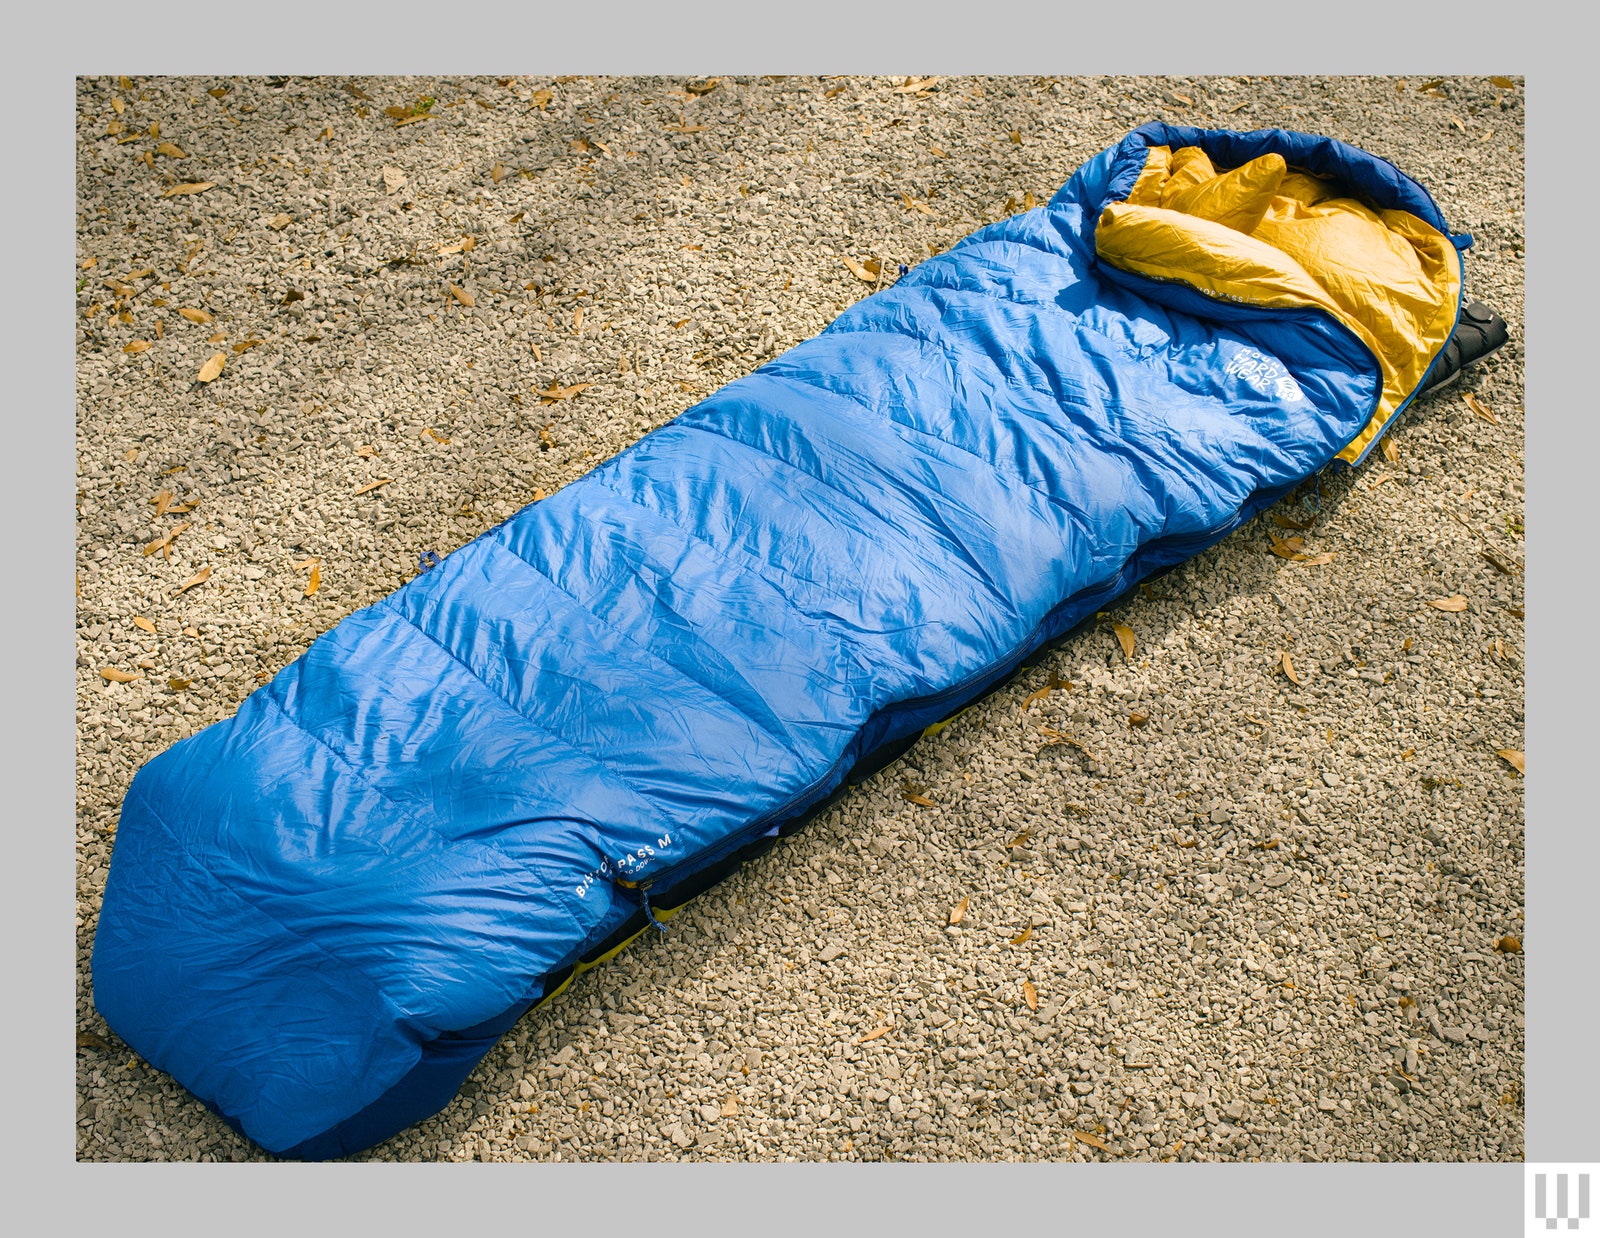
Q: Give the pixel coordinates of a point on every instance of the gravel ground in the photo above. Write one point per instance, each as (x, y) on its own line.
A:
(1263, 924)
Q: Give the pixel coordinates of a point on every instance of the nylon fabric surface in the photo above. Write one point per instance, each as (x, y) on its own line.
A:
(323, 910)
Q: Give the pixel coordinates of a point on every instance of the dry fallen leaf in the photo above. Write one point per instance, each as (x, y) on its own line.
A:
(373, 485)
(866, 272)
(112, 674)
(195, 315)
(212, 368)
(1022, 936)
(161, 543)
(1453, 604)
(1288, 668)
(136, 346)
(1125, 639)
(245, 345)
(462, 295)
(170, 151)
(1391, 452)
(541, 99)
(958, 913)
(1504, 83)
(555, 392)
(1138, 719)
(143, 624)
(1030, 995)
(1055, 684)
(315, 581)
(188, 188)
(90, 1040)
(1509, 945)
(1094, 1141)
(1293, 522)
(199, 578)
(876, 1033)
(1471, 401)
(176, 684)
(393, 179)
(1016, 137)
(280, 221)
(1511, 757)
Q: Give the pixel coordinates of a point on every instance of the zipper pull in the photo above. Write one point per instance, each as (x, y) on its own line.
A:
(644, 902)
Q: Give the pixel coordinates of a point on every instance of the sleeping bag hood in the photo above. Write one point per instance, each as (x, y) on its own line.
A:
(322, 911)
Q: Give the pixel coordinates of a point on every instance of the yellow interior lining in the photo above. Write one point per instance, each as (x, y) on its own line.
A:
(1262, 234)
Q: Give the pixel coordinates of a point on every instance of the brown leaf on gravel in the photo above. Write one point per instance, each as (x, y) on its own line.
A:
(1138, 719)
(683, 127)
(1453, 604)
(1391, 451)
(373, 485)
(462, 295)
(498, 172)
(958, 913)
(195, 315)
(280, 221)
(1022, 936)
(188, 188)
(199, 578)
(411, 120)
(915, 84)
(1471, 401)
(915, 795)
(170, 150)
(1056, 683)
(244, 346)
(1511, 757)
(876, 1033)
(556, 392)
(161, 543)
(1030, 995)
(90, 1040)
(1288, 668)
(1294, 549)
(1125, 639)
(702, 88)
(1016, 137)
(1509, 945)
(176, 684)
(113, 675)
(136, 346)
(937, 153)
(211, 368)
(541, 99)
(1094, 1141)
(315, 581)
(143, 624)
(1504, 83)
(1291, 522)
(1054, 736)
(867, 272)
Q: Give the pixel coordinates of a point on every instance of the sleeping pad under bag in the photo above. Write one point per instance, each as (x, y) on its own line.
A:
(324, 910)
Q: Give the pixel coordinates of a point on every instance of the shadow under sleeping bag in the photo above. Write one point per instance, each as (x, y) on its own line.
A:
(324, 910)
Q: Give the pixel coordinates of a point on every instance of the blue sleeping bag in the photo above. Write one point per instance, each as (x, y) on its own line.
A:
(323, 911)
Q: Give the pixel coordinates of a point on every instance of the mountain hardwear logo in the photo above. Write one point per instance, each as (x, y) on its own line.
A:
(1558, 1198)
